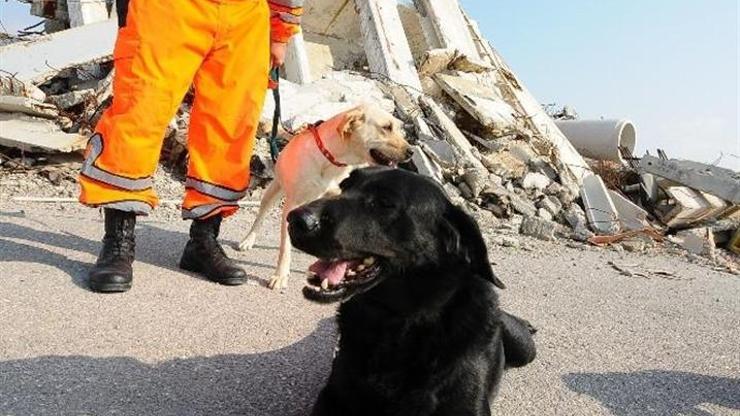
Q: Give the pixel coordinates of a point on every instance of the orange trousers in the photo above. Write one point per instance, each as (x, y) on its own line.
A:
(219, 46)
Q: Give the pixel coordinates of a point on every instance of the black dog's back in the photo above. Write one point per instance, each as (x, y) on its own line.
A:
(426, 337)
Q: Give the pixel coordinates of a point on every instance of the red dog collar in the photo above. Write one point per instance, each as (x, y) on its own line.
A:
(324, 151)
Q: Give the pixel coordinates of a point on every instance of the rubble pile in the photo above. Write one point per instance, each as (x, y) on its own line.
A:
(474, 126)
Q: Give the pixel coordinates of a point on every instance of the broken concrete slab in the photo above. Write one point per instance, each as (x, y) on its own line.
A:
(18, 88)
(71, 98)
(33, 134)
(600, 210)
(42, 58)
(685, 206)
(441, 151)
(496, 116)
(723, 183)
(450, 30)
(425, 165)
(450, 131)
(631, 216)
(387, 49)
(25, 105)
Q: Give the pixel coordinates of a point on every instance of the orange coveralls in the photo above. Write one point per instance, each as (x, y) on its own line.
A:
(220, 46)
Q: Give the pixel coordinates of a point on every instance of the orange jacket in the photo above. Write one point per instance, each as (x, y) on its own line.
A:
(285, 19)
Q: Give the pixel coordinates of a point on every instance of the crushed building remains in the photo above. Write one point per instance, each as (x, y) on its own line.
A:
(475, 127)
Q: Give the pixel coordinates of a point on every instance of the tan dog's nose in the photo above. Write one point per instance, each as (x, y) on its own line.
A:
(409, 153)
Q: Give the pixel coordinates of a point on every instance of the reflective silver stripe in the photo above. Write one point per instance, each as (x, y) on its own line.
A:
(288, 3)
(90, 170)
(215, 191)
(203, 210)
(288, 18)
(140, 208)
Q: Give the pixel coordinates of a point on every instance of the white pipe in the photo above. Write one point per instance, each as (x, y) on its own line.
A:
(600, 139)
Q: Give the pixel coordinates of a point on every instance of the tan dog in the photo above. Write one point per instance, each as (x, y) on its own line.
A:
(313, 164)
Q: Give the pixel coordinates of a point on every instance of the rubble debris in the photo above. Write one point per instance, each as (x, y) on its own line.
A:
(449, 27)
(15, 87)
(605, 240)
(450, 132)
(43, 57)
(734, 244)
(484, 105)
(600, 139)
(629, 271)
(387, 53)
(536, 181)
(723, 183)
(425, 166)
(14, 104)
(539, 228)
(684, 206)
(473, 125)
(439, 60)
(33, 134)
(631, 216)
(699, 241)
(600, 210)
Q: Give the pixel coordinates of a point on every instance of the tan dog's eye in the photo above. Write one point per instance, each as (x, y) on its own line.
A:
(388, 128)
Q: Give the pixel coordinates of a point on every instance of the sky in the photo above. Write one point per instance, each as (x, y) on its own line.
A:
(670, 66)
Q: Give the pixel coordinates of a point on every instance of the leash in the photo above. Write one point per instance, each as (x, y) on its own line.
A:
(275, 87)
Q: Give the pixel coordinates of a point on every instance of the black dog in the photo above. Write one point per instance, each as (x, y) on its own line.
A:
(421, 332)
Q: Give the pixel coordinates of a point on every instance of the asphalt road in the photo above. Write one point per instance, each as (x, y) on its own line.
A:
(179, 345)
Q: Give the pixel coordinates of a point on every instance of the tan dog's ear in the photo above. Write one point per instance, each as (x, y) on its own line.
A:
(352, 120)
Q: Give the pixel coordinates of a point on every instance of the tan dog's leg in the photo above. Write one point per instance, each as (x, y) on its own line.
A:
(280, 280)
(271, 196)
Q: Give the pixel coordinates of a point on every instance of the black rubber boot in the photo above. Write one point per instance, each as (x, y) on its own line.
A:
(113, 272)
(204, 255)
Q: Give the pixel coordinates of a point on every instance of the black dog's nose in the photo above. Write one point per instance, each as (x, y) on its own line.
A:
(303, 220)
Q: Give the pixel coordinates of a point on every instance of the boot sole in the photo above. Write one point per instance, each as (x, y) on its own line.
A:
(189, 267)
(111, 288)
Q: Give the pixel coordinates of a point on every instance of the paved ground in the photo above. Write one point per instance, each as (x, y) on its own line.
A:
(178, 345)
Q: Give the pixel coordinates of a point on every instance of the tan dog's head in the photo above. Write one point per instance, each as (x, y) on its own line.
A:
(375, 136)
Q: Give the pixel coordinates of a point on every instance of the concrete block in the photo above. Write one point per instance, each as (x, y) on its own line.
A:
(539, 228)
(600, 210)
(631, 216)
(426, 166)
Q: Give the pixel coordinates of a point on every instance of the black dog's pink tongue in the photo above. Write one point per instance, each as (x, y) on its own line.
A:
(333, 271)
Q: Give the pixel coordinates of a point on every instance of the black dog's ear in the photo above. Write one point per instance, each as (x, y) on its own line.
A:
(463, 238)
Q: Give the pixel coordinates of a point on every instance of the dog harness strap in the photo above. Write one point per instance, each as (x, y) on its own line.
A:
(324, 151)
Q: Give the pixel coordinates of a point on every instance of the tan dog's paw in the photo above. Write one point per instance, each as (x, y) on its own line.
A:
(278, 282)
(247, 243)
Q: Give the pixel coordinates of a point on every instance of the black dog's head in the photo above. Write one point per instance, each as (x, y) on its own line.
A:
(388, 229)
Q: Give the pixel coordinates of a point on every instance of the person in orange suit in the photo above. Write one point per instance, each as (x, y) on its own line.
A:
(225, 48)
